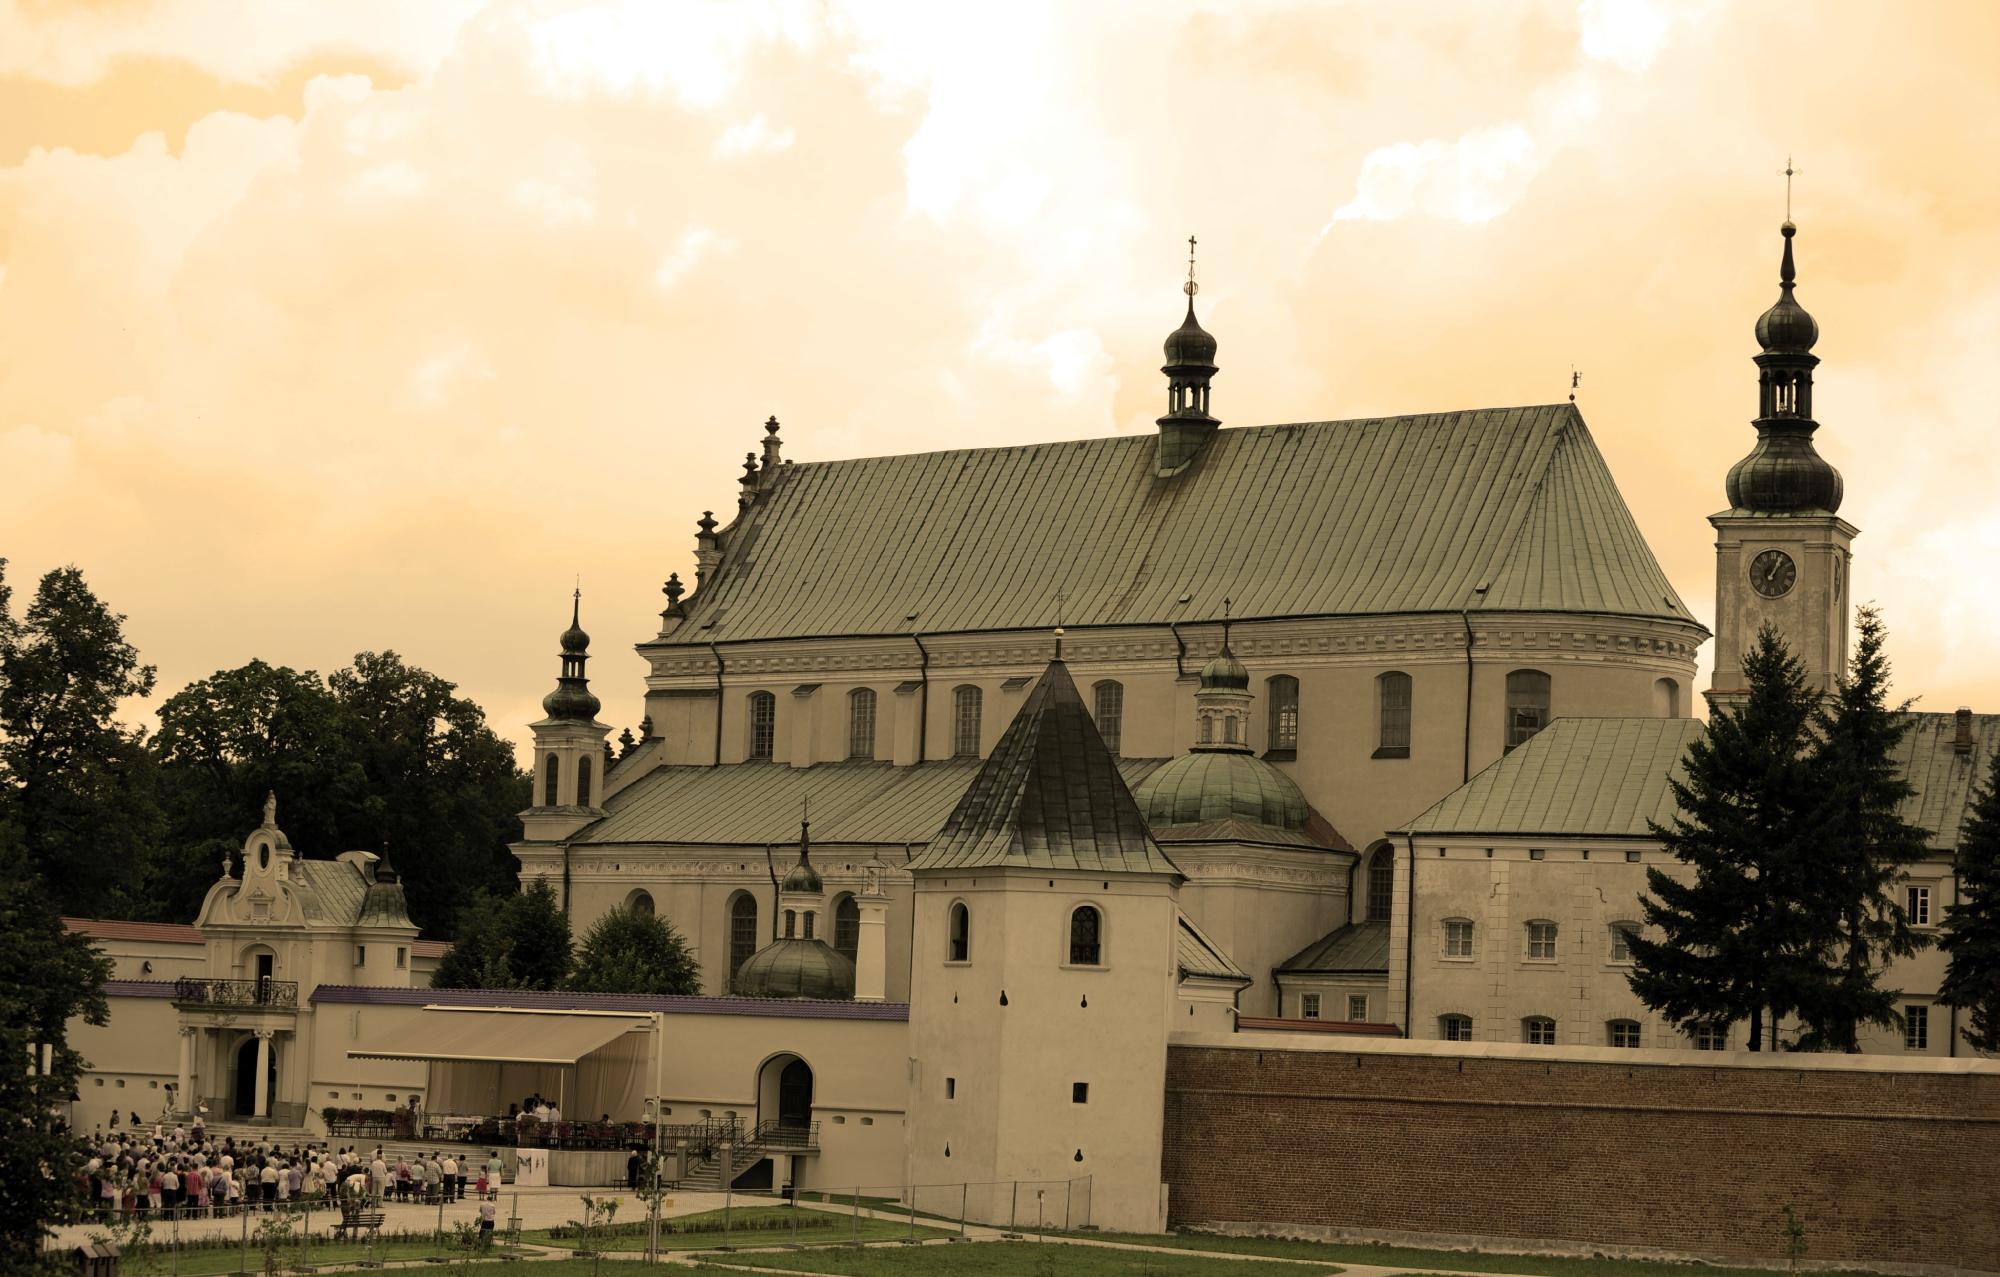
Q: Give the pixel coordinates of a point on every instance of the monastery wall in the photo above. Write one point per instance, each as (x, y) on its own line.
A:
(1510, 1145)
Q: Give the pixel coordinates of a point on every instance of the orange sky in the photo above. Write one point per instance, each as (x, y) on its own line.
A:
(327, 327)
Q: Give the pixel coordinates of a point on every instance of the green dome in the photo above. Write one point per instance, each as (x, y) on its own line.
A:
(1225, 672)
(803, 877)
(795, 968)
(1195, 789)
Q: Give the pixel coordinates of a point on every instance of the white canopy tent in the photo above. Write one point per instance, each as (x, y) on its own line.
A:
(589, 1062)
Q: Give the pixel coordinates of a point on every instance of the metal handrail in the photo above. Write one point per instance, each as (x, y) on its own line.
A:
(792, 1134)
(237, 993)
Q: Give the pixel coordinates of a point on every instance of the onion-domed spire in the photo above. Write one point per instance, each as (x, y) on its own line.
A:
(1784, 474)
(1190, 366)
(572, 698)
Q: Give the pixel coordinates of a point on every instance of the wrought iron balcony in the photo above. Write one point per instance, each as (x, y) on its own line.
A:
(277, 994)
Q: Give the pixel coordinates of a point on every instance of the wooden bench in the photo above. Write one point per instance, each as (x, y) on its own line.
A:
(359, 1221)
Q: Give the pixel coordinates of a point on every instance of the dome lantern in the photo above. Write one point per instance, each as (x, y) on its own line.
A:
(1784, 473)
(1190, 366)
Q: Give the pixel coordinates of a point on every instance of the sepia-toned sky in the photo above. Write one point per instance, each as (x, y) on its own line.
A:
(340, 326)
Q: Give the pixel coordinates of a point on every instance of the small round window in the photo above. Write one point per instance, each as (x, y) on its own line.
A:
(263, 855)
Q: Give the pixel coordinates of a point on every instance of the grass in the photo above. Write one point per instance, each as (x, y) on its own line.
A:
(1431, 1263)
(1011, 1259)
(753, 1226)
(207, 1261)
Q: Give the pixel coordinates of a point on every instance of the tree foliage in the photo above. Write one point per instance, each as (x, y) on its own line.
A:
(48, 977)
(512, 942)
(626, 951)
(1865, 847)
(1736, 930)
(1971, 938)
(76, 783)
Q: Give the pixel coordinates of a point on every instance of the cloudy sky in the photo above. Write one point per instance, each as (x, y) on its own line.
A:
(329, 327)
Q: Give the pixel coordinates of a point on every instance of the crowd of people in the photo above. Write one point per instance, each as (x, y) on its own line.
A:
(179, 1172)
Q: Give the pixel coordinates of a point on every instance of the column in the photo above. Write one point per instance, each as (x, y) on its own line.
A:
(184, 1095)
(871, 967)
(263, 1108)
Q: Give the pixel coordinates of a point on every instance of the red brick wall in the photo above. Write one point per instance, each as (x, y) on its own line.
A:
(1896, 1167)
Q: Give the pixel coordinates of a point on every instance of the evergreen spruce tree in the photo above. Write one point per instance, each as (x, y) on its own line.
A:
(1972, 925)
(1735, 928)
(629, 952)
(1866, 846)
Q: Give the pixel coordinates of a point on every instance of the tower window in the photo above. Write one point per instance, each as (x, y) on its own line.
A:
(1283, 693)
(763, 723)
(959, 930)
(791, 923)
(1666, 698)
(861, 723)
(549, 781)
(1392, 696)
(1085, 926)
(742, 931)
(1381, 884)
(583, 781)
(1527, 705)
(810, 915)
(1109, 698)
(965, 722)
(847, 927)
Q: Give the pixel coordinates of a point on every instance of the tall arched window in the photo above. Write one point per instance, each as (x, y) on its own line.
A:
(847, 927)
(583, 781)
(1283, 693)
(1527, 705)
(861, 723)
(1381, 883)
(641, 903)
(959, 930)
(791, 923)
(549, 781)
(742, 931)
(1086, 927)
(1666, 698)
(763, 723)
(1392, 701)
(965, 722)
(1109, 703)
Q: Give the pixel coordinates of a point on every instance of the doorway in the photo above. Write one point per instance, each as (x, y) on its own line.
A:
(245, 1090)
(795, 1094)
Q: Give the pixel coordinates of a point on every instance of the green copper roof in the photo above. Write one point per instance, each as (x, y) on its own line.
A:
(1400, 514)
(1599, 776)
(1606, 777)
(1201, 957)
(795, 968)
(1049, 797)
(1199, 788)
(1355, 949)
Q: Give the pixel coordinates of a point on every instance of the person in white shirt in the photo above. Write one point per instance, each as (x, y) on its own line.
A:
(449, 1169)
(378, 1176)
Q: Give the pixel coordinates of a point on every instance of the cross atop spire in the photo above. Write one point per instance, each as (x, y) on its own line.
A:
(1190, 288)
(1789, 171)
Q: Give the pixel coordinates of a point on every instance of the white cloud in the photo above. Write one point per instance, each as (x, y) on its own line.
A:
(1626, 33)
(694, 245)
(692, 48)
(754, 136)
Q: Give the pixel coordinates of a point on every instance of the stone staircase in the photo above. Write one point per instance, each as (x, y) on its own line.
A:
(705, 1174)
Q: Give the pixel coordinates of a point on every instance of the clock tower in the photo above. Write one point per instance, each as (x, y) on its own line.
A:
(1781, 551)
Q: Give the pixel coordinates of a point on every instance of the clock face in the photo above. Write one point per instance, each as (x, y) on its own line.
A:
(1773, 574)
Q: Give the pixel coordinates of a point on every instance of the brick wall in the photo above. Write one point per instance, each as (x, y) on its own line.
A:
(1890, 1166)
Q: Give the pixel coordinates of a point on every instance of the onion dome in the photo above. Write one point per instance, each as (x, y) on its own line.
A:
(1224, 672)
(795, 968)
(1784, 474)
(803, 876)
(1205, 787)
(1190, 345)
(572, 698)
(1787, 326)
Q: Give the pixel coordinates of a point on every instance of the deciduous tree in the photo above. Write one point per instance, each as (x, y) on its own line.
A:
(630, 952)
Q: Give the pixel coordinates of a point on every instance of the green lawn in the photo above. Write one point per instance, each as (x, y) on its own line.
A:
(752, 1226)
(1428, 1263)
(1012, 1259)
(158, 1261)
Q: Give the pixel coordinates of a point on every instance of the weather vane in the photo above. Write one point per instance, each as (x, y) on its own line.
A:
(1190, 288)
(1575, 379)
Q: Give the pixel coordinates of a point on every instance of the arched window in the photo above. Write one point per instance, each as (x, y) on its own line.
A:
(1455, 1028)
(791, 923)
(1207, 734)
(549, 781)
(1086, 927)
(959, 929)
(1623, 1032)
(583, 781)
(1381, 883)
(763, 723)
(1527, 705)
(811, 915)
(965, 722)
(742, 931)
(1538, 1030)
(1666, 698)
(641, 903)
(847, 927)
(1392, 701)
(1282, 691)
(861, 723)
(1108, 700)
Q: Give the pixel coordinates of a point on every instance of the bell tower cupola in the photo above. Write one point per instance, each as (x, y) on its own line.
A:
(1190, 366)
(569, 745)
(1782, 551)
